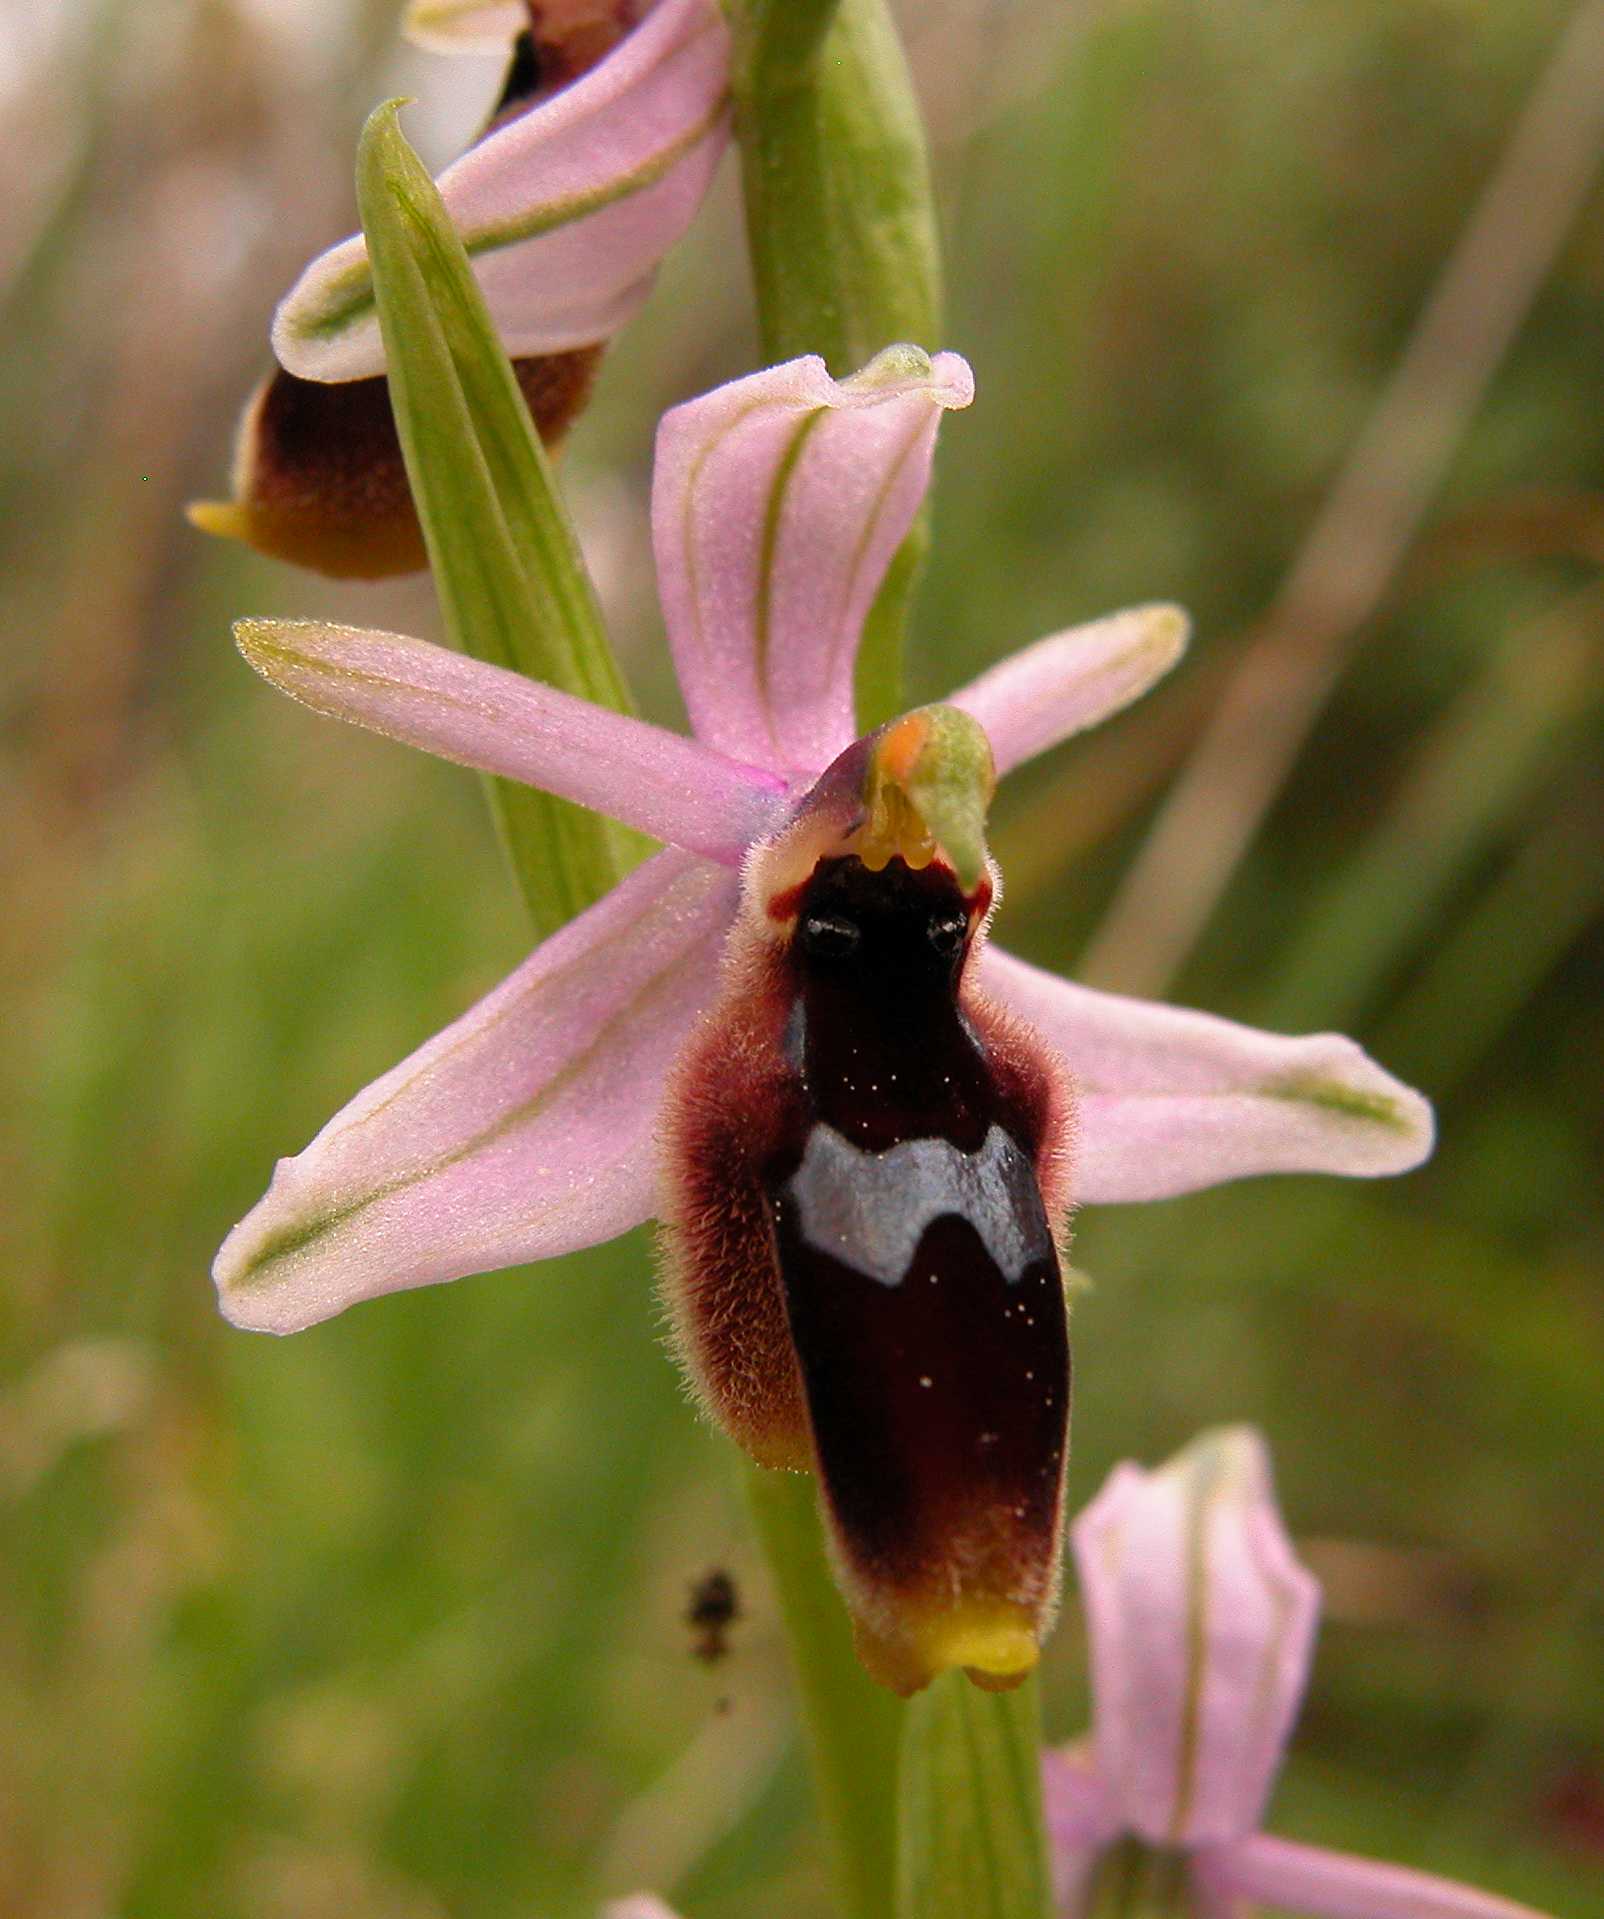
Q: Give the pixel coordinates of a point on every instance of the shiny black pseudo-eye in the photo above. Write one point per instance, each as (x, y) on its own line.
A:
(918, 1267)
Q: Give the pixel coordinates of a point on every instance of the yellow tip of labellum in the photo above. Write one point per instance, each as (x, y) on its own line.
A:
(224, 518)
(343, 553)
(993, 1642)
(929, 782)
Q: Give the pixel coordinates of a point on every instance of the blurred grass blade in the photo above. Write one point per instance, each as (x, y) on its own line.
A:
(973, 1845)
(511, 580)
(1490, 962)
(1533, 705)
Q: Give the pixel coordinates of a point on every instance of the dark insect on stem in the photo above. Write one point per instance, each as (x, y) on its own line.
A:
(714, 1607)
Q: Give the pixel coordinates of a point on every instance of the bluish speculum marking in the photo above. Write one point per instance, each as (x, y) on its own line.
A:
(870, 1210)
(920, 1278)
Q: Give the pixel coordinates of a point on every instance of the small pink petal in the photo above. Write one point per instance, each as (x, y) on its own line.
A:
(644, 1905)
(1201, 1624)
(1173, 1100)
(565, 210)
(502, 722)
(1082, 1822)
(1072, 680)
(1334, 1885)
(777, 503)
(524, 1130)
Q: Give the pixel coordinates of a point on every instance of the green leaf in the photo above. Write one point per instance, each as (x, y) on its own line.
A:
(510, 577)
(841, 223)
(973, 1845)
(853, 1726)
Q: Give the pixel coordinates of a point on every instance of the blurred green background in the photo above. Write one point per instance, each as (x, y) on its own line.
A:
(386, 1621)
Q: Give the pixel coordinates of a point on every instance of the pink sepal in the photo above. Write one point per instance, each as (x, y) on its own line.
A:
(1173, 1100)
(524, 1130)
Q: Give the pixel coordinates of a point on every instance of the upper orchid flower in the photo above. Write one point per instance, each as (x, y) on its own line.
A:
(787, 1035)
(1202, 1626)
(602, 146)
(565, 207)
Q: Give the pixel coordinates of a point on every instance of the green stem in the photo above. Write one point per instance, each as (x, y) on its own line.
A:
(845, 261)
(853, 1726)
(839, 213)
(841, 224)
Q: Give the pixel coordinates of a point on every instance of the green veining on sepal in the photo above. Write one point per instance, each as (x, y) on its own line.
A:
(1339, 1097)
(347, 298)
(296, 1235)
(773, 513)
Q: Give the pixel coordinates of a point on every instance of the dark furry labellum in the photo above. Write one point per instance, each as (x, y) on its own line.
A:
(319, 479)
(867, 1168)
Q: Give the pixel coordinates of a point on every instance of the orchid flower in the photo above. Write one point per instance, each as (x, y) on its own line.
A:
(1202, 1626)
(787, 1034)
(565, 208)
(602, 146)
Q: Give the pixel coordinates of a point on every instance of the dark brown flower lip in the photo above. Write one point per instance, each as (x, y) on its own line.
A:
(319, 479)
(922, 1289)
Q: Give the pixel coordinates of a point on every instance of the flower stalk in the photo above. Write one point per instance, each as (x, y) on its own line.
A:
(839, 209)
(841, 226)
(842, 233)
(854, 1727)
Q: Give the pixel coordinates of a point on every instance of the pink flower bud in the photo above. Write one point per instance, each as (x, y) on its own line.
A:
(1202, 1624)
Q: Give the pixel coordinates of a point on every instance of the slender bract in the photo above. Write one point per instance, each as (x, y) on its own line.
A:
(512, 583)
(972, 1838)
